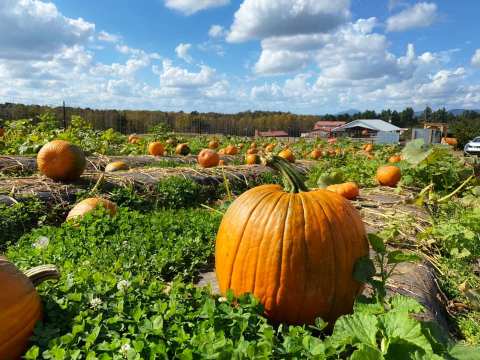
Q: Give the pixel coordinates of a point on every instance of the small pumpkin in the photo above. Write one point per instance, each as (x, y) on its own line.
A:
(395, 159)
(213, 144)
(133, 139)
(20, 306)
(449, 141)
(90, 204)
(292, 248)
(182, 149)
(156, 148)
(252, 151)
(116, 166)
(252, 159)
(221, 152)
(316, 154)
(368, 147)
(348, 190)
(231, 150)
(208, 158)
(388, 175)
(253, 145)
(287, 154)
(269, 147)
(61, 161)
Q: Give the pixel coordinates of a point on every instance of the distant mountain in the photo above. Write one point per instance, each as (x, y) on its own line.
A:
(349, 112)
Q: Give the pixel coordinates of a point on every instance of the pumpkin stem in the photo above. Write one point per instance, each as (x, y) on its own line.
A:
(39, 274)
(292, 179)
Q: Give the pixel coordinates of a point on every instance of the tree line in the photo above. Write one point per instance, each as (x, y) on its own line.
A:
(242, 123)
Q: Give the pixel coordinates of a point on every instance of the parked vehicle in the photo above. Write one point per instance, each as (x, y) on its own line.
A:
(473, 147)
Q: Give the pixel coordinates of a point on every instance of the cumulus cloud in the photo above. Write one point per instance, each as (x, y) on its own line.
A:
(259, 19)
(32, 29)
(417, 16)
(177, 77)
(280, 61)
(476, 58)
(216, 31)
(182, 52)
(107, 37)
(189, 7)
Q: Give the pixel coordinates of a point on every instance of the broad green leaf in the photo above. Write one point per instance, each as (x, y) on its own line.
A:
(405, 304)
(465, 352)
(364, 269)
(366, 352)
(377, 243)
(356, 329)
(325, 180)
(416, 151)
(397, 256)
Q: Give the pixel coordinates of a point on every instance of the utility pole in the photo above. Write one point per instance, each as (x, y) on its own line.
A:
(64, 116)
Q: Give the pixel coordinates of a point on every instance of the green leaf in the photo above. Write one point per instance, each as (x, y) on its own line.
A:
(366, 352)
(336, 177)
(405, 304)
(416, 151)
(364, 269)
(465, 352)
(397, 257)
(356, 329)
(377, 243)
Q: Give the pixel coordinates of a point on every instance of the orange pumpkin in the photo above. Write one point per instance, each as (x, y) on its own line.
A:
(368, 147)
(316, 154)
(61, 161)
(253, 145)
(394, 159)
(287, 154)
(156, 148)
(450, 141)
(294, 249)
(252, 151)
(182, 149)
(241, 145)
(208, 158)
(90, 204)
(348, 190)
(116, 166)
(221, 152)
(231, 150)
(252, 159)
(213, 144)
(388, 175)
(133, 139)
(269, 147)
(20, 306)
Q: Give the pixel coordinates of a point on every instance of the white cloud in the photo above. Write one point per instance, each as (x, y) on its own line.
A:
(107, 37)
(189, 7)
(176, 77)
(420, 15)
(476, 58)
(182, 52)
(280, 62)
(33, 29)
(259, 19)
(216, 31)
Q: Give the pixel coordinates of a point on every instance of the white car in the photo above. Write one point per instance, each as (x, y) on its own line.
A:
(473, 147)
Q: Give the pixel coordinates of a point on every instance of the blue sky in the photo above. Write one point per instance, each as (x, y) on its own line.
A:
(303, 56)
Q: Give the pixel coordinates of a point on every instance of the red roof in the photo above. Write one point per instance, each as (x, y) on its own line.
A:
(273, 133)
(327, 125)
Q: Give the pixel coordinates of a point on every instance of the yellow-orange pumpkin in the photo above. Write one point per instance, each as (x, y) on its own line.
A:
(208, 158)
(252, 159)
(253, 145)
(269, 147)
(348, 190)
(116, 166)
(213, 144)
(20, 306)
(395, 159)
(182, 149)
(133, 139)
(90, 204)
(294, 250)
(287, 154)
(388, 175)
(368, 147)
(156, 148)
(450, 141)
(61, 161)
(231, 150)
(316, 154)
(252, 151)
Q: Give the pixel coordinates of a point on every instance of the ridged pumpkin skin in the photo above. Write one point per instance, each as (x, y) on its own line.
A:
(388, 175)
(116, 166)
(208, 158)
(20, 310)
(294, 251)
(61, 161)
(348, 190)
(287, 154)
(90, 204)
(156, 148)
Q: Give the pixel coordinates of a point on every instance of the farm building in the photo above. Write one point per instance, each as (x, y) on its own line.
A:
(374, 129)
(323, 128)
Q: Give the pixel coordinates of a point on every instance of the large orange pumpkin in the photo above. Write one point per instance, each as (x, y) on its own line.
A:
(90, 204)
(61, 161)
(156, 148)
(348, 190)
(231, 150)
(287, 154)
(182, 149)
(20, 306)
(294, 249)
(116, 166)
(389, 175)
(208, 158)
